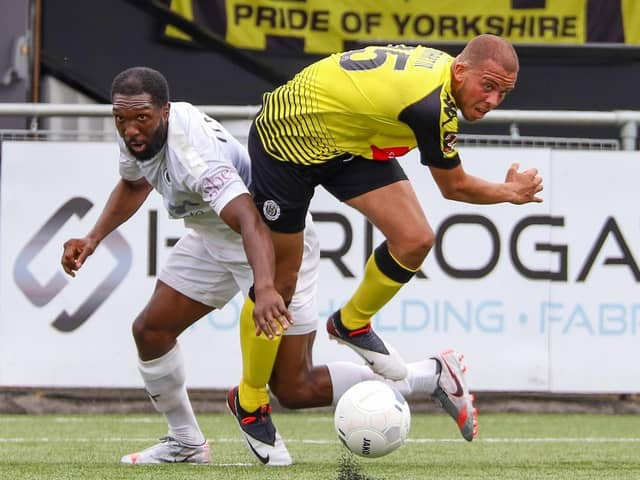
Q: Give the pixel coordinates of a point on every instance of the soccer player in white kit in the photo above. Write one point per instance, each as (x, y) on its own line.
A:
(202, 173)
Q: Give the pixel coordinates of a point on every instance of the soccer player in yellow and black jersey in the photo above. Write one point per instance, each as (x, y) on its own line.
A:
(341, 123)
(377, 103)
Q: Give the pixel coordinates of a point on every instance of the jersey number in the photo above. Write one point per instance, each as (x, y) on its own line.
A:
(382, 54)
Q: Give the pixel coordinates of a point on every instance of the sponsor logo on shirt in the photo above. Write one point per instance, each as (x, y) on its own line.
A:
(213, 184)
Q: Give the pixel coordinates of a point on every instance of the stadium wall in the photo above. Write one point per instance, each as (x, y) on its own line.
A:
(541, 297)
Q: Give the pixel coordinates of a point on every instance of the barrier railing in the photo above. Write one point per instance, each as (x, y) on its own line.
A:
(626, 120)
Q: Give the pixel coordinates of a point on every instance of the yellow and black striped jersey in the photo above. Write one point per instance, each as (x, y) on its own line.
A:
(376, 102)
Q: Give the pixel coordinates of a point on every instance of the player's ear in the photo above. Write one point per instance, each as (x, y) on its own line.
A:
(459, 69)
(165, 110)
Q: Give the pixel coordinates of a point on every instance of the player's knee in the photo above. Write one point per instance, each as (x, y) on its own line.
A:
(426, 242)
(139, 329)
(146, 334)
(418, 245)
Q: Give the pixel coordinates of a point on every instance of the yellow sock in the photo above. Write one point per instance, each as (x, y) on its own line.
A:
(383, 277)
(258, 357)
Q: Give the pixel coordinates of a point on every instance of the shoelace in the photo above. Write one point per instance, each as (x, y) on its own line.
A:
(263, 411)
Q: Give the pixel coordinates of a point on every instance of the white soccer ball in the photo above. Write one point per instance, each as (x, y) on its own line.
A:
(372, 419)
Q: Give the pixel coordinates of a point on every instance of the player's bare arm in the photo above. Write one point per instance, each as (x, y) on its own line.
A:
(125, 199)
(519, 186)
(270, 313)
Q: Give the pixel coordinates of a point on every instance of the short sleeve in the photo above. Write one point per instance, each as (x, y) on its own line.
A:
(219, 186)
(205, 151)
(434, 122)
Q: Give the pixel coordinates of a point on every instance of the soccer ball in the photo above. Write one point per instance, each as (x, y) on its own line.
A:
(372, 419)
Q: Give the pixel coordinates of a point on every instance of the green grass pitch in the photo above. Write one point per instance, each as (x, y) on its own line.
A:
(510, 446)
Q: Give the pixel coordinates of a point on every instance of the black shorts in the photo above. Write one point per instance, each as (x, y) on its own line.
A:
(282, 191)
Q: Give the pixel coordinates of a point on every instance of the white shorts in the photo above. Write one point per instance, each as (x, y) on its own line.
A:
(196, 269)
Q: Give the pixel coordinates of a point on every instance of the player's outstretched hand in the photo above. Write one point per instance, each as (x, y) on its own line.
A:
(76, 251)
(525, 184)
(270, 313)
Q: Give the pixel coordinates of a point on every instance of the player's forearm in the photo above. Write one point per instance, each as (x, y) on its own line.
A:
(260, 255)
(479, 191)
(241, 216)
(123, 202)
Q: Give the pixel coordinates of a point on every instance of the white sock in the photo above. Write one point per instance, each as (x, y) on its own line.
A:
(422, 377)
(164, 380)
(346, 374)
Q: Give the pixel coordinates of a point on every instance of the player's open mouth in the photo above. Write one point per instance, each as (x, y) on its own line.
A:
(137, 147)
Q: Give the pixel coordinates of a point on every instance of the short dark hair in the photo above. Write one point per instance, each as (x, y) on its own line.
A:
(487, 46)
(140, 80)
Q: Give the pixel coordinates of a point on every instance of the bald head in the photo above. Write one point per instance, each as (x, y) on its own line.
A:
(490, 47)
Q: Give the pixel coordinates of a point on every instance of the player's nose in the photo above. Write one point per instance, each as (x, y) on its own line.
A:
(130, 130)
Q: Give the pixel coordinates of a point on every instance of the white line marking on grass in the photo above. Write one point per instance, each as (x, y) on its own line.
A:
(531, 440)
(563, 440)
(72, 440)
(80, 419)
(330, 442)
(70, 420)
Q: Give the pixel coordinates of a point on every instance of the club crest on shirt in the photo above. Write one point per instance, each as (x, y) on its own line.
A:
(449, 142)
(271, 210)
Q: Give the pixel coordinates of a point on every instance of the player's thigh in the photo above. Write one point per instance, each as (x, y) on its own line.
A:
(169, 311)
(395, 210)
(382, 192)
(193, 271)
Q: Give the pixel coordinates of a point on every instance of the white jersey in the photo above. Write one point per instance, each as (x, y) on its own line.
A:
(201, 169)
(198, 172)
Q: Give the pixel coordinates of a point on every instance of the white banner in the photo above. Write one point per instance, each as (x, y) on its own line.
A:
(540, 297)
